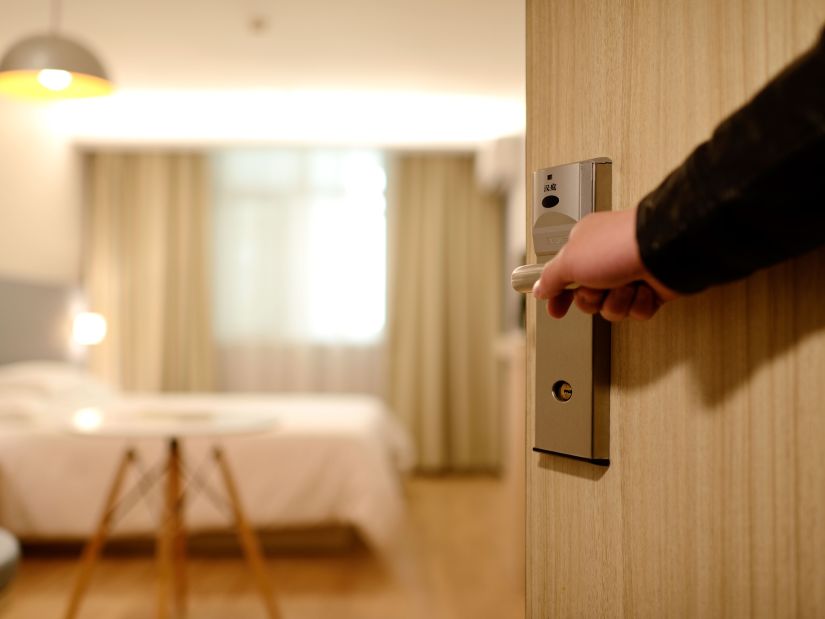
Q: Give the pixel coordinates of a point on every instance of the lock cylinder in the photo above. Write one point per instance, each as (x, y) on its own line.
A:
(562, 390)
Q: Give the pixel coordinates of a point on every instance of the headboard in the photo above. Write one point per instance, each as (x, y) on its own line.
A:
(35, 321)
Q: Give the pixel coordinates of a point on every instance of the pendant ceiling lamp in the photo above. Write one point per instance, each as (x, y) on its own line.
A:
(51, 66)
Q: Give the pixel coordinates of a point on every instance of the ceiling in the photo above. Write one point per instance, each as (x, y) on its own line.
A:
(446, 51)
(455, 46)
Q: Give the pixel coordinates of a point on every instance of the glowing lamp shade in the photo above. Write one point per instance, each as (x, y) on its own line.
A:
(52, 67)
(87, 419)
(89, 328)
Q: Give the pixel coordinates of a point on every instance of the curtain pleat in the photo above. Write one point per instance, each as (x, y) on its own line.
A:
(146, 268)
(444, 309)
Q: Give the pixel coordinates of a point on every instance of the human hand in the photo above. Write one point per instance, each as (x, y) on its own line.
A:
(602, 257)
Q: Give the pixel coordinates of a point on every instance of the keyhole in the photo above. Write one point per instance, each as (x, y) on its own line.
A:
(562, 390)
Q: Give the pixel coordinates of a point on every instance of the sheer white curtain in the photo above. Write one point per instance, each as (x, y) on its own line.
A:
(299, 263)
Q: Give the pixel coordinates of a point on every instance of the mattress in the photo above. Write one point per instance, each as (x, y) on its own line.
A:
(322, 460)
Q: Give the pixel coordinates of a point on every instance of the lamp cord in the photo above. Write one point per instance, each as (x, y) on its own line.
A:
(55, 16)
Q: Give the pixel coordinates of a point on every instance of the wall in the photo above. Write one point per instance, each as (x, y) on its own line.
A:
(39, 197)
(500, 166)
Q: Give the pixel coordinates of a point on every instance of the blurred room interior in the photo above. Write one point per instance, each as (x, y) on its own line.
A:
(300, 215)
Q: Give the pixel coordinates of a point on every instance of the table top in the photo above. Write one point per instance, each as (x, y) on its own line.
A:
(99, 421)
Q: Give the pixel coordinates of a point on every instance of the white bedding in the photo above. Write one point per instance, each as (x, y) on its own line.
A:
(326, 459)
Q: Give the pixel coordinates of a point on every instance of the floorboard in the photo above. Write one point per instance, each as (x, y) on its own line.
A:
(457, 558)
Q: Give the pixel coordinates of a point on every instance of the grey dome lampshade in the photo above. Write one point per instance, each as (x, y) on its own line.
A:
(50, 66)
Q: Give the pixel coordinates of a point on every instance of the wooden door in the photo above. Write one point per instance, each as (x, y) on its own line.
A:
(714, 502)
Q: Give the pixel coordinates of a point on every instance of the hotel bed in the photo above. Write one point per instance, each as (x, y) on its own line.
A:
(324, 460)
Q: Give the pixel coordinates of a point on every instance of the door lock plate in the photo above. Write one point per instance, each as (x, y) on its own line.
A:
(572, 380)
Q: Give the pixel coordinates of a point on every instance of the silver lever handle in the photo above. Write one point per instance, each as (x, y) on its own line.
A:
(524, 277)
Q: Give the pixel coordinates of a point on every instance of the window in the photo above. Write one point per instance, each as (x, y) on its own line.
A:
(299, 246)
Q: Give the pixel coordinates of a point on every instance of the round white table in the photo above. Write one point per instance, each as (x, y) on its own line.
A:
(171, 427)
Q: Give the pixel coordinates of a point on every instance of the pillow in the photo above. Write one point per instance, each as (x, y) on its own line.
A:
(50, 379)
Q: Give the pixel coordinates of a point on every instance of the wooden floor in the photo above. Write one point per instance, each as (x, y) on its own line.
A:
(459, 557)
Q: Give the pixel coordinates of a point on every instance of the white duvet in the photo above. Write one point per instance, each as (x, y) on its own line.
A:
(325, 459)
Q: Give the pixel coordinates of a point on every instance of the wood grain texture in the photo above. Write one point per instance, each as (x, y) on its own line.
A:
(714, 504)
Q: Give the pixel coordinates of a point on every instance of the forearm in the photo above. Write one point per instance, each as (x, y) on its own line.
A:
(751, 196)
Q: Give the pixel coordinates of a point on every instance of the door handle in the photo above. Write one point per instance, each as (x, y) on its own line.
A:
(524, 278)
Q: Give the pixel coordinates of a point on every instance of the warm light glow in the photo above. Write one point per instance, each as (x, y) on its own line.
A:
(55, 79)
(318, 117)
(89, 328)
(87, 419)
(50, 84)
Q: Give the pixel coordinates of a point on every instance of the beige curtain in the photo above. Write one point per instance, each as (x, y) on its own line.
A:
(444, 306)
(146, 268)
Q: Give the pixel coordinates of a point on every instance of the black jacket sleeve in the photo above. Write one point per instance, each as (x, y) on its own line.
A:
(751, 196)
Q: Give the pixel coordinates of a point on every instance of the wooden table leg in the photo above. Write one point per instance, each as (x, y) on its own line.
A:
(91, 552)
(178, 532)
(167, 530)
(249, 542)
